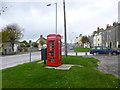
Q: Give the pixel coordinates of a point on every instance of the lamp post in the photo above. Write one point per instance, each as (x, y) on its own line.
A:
(56, 15)
(65, 33)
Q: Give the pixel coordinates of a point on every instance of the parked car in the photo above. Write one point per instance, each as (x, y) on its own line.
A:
(103, 50)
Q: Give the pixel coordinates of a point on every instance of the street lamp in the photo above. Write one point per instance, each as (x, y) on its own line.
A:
(56, 15)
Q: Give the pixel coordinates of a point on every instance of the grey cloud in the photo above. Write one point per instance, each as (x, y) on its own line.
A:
(36, 17)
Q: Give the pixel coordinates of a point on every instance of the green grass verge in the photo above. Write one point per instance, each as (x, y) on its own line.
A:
(34, 75)
(0, 79)
(79, 60)
(81, 49)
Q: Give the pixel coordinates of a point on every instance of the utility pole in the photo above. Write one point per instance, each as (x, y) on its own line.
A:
(65, 41)
(30, 42)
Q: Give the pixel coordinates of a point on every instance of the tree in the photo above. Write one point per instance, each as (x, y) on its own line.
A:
(85, 39)
(11, 33)
(28, 45)
(94, 32)
(25, 42)
(35, 44)
(22, 45)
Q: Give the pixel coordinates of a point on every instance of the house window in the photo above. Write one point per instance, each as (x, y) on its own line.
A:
(103, 38)
(9, 50)
(118, 46)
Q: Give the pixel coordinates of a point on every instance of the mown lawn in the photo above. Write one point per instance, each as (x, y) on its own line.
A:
(81, 49)
(79, 60)
(34, 75)
(0, 79)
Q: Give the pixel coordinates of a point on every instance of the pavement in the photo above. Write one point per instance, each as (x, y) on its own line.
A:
(63, 66)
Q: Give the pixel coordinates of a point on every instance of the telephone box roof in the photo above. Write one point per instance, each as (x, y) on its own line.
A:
(50, 35)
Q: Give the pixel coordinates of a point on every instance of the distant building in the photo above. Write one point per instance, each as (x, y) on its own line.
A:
(41, 38)
(6, 48)
(78, 41)
(110, 37)
(97, 37)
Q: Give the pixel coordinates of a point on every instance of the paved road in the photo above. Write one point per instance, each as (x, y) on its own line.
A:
(108, 64)
(71, 52)
(9, 61)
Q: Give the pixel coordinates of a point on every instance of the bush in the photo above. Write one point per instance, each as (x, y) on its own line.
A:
(12, 53)
(28, 45)
(0, 53)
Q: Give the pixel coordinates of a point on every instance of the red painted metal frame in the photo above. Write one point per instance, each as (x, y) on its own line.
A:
(54, 50)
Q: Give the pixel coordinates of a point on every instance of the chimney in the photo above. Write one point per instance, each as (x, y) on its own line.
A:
(80, 35)
(98, 29)
(108, 26)
(115, 23)
(41, 36)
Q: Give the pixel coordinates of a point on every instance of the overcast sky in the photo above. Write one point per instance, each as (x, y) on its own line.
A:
(82, 16)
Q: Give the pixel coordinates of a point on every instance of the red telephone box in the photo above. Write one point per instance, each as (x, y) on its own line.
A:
(54, 53)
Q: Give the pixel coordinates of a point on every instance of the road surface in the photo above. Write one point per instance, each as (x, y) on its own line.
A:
(13, 60)
(109, 64)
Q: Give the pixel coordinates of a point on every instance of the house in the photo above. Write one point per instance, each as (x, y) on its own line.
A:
(6, 48)
(110, 37)
(41, 42)
(16, 45)
(78, 41)
(91, 39)
(97, 37)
